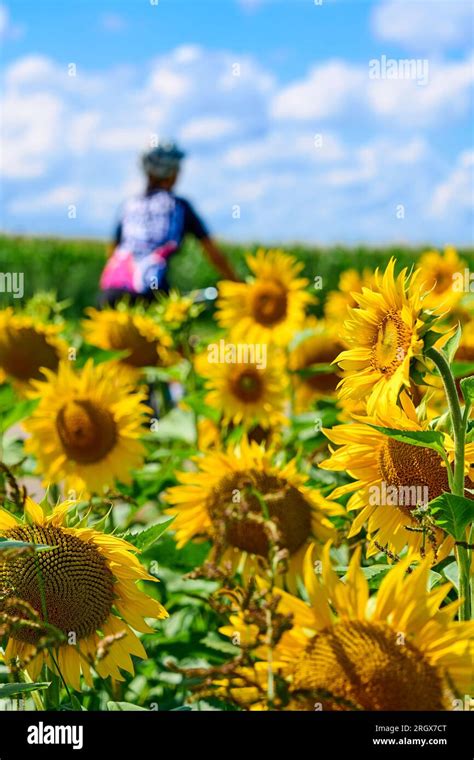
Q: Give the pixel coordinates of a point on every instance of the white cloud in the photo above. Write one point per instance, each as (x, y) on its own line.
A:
(424, 24)
(122, 138)
(336, 88)
(208, 128)
(57, 198)
(186, 53)
(328, 89)
(31, 131)
(456, 191)
(362, 171)
(30, 70)
(375, 159)
(446, 95)
(278, 147)
(168, 83)
(83, 129)
(8, 29)
(242, 72)
(297, 195)
(76, 129)
(325, 157)
(33, 72)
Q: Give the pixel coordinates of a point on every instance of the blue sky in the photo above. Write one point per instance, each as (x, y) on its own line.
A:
(272, 100)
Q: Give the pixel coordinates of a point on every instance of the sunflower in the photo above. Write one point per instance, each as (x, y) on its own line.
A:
(86, 427)
(247, 391)
(208, 434)
(439, 272)
(393, 479)
(26, 346)
(320, 346)
(78, 593)
(396, 651)
(211, 435)
(383, 335)
(271, 306)
(126, 329)
(338, 301)
(244, 688)
(177, 309)
(246, 504)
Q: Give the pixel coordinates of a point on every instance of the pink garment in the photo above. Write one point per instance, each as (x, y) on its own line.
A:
(122, 271)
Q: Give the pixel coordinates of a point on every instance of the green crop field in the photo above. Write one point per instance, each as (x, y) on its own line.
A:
(72, 267)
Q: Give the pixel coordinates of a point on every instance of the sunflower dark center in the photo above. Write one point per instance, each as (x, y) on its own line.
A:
(413, 467)
(270, 303)
(87, 431)
(443, 281)
(358, 665)
(71, 583)
(391, 343)
(244, 504)
(142, 351)
(248, 385)
(24, 351)
(465, 353)
(322, 381)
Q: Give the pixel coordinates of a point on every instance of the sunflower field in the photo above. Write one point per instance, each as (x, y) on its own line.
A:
(257, 497)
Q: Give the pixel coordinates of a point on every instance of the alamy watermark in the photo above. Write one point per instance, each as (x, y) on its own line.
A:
(463, 282)
(12, 282)
(42, 733)
(385, 495)
(417, 69)
(238, 353)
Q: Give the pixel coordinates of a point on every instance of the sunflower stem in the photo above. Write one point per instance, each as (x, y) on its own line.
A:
(268, 614)
(270, 677)
(449, 470)
(55, 691)
(192, 379)
(459, 423)
(50, 699)
(59, 678)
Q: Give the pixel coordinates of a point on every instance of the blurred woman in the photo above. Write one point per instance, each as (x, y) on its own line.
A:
(151, 229)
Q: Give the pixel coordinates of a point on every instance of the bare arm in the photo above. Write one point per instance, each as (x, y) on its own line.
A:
(218, 259)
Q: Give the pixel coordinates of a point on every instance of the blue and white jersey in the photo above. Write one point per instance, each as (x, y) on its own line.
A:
(151, 220)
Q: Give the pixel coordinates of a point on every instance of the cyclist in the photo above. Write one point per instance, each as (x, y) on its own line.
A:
(151, 229)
